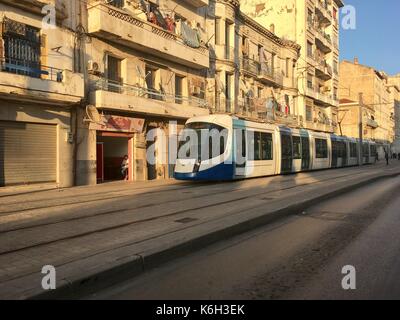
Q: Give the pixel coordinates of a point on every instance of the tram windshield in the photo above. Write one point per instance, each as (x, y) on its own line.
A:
(202, 141)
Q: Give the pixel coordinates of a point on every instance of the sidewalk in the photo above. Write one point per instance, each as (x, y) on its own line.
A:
(98, 235)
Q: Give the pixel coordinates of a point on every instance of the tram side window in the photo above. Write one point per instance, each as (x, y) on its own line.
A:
(353, 150)
(365, 150)
(263, 149)
(321, 148)
(296, 147)
(266, 146)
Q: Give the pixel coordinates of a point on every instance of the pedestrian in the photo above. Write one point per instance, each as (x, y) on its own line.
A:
(125, 168)
(398, 156)
(376, 157)
(387, 157)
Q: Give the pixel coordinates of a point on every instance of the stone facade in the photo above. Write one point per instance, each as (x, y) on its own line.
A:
(314, 25)
(379, 97)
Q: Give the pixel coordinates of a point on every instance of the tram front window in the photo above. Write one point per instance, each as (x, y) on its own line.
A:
(202, 141)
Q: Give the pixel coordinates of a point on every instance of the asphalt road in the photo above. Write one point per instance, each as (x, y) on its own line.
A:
(300, 257)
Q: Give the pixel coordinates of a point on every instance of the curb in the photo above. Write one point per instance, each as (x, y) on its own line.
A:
(138, 264)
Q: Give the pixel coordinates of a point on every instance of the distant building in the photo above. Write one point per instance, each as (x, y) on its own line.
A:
(379, 97)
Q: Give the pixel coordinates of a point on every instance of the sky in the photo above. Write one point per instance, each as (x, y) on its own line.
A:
(376, 39)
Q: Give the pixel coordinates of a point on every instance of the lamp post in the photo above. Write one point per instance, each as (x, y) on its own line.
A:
(360, 129)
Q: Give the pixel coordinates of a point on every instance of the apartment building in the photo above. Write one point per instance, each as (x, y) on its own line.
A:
(40, 89)
(116, 80)
(394, 85)
(147, 65)
(314, 25)
(252, 72)
(379, 100)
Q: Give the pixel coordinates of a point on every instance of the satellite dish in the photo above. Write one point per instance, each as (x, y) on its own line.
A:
(93, 115)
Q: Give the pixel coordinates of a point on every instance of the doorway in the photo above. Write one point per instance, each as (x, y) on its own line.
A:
(111, 150)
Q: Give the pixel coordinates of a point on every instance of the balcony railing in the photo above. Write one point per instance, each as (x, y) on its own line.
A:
(120, 25)
(31, 69)
(149, 93)
(262, 71)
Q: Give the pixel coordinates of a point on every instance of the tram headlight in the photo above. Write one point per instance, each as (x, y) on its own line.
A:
(196, 166)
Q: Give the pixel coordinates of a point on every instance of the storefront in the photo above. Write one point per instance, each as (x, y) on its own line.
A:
(115, 144)
(28, 153)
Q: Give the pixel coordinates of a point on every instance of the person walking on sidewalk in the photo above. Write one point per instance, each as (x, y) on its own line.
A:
(387, 157)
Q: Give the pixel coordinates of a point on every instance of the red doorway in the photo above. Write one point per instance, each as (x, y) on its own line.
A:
(111, 149)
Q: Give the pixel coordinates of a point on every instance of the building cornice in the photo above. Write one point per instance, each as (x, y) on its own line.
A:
(270, 35)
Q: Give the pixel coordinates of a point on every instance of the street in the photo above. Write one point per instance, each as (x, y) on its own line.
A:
(259, 236)
(300, 257)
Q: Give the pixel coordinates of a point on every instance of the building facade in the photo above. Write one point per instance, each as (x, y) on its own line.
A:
(314, 25)
(111, 80)
(40, 91)
(252, 71)
(143, 74)
(379, 98)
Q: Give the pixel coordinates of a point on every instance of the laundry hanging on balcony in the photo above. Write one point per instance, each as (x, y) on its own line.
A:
(190, 36)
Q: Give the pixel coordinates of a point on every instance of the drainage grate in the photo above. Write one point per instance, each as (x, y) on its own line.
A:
(186, 220)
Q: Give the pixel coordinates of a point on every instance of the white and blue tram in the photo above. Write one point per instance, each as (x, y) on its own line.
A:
(274, 150)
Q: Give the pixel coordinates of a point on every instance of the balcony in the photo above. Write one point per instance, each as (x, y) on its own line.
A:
(326, 100)
(36, 6)
(323, 12)
(20, 80)
(107, 94)
(197, 3)
(119, 26)
(263, 73)
(323, 41)
(323, 70)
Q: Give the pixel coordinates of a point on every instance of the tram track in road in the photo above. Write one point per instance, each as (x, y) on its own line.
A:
(197, 186)
(270, 199)
(153, 204)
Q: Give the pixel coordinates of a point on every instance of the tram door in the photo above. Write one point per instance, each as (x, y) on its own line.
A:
(305, 153)
(287, 153)
(344, 146)
(334, 153)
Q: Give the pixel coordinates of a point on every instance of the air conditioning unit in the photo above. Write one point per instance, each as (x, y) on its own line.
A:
(93, 67)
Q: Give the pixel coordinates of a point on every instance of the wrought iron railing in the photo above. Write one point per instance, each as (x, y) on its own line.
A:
(149, 93)
(31, 68)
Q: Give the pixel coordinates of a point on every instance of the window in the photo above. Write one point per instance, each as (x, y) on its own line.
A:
(217, 31)
(152, 78)
(287, 67)
(310, 81)
(266, 146)
(309, 113)
(335, 67)
(296, 147)
(365, 150)
(262, 144)
(353, 150)
(21, 49)
(309, 49)
(203, 148)
(178, 89)
(114, 74)
(321, 148)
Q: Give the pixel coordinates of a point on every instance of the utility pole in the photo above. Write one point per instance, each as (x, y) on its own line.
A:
(360, 128)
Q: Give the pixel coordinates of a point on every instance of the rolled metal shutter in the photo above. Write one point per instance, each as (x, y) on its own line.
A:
(28, 153)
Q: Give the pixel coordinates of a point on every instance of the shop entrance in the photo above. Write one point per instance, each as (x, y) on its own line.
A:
(111, 150)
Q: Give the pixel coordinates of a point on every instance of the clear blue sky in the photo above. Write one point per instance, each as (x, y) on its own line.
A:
(376, 40)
